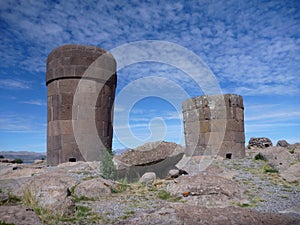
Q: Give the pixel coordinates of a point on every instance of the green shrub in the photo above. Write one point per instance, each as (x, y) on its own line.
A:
(3, 223)
(268, 168)
(164, 195)
(120, 187)
(107, 168)
(260, 157)
(18, 160)
(292, 151)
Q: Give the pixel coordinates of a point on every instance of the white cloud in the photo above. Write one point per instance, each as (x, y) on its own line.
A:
(277, 115)
(35, 102)
(14, 84)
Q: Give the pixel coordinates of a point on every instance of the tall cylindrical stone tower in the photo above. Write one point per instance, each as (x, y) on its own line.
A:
(214, 125)
(81, 83)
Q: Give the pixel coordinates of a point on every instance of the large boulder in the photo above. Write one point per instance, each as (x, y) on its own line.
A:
(291, 174)
(157, 157)
(50, 190)
(261, 142)
(93, 188)
(279, 157)
(207, 190)
(148, 178)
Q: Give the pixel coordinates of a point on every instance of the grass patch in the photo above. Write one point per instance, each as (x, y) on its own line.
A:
(11, 199)
(267, 168)
(82, 198)
(3, 223)
(82, 213)
(284, 196)
(165, 195)
(120, 187)
(89, 178)
(292, 151)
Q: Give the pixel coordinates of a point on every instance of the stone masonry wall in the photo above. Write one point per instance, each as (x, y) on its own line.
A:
(90, 113)
(214, 125)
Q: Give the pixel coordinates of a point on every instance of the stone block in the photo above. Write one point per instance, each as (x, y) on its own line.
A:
(65, 112)
(80, 70)
(205, 126)
(69, 71)
(218, 125)
(67, 86)
(239, 114)
(66, 98)
(234, 125)
(52, 88)
(54, 142)
(59, 72)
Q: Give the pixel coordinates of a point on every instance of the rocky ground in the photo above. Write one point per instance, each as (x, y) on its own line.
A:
(263, 188)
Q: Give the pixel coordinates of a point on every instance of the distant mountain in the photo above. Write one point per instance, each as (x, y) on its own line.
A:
(27, 157)
(120, 150)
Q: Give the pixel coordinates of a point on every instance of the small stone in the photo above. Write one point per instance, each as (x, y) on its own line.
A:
(148, 178)
(173, 173)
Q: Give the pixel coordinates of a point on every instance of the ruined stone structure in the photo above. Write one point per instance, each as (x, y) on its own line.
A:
(214, 125)
(81, 90)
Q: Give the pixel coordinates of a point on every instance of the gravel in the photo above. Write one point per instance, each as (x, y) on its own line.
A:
(268, 191)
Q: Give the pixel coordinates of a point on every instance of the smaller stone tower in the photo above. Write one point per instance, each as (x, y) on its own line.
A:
(214, 125)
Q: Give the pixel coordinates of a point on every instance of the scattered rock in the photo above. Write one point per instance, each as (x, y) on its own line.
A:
(148, 178)
(261, 142)
(207, 190)
(173, 174)
(94, 188)
(5, 160)
(291, 174)
(38, 161)
(18, 215)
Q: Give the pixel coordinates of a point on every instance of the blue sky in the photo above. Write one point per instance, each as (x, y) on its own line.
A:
(251, 47)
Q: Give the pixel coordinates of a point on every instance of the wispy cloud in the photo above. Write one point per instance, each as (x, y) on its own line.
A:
(17, 123)
(248, 44)
(35, 102)
(14, 84)
(277, 115)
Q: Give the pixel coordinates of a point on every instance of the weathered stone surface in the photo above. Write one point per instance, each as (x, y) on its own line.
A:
(50, 190)
(94, 188)
(261, 142)
(279, 157)
(158, 157)
(173, 173)
(214, 125)
(282, 143)
(67, 69)
(148, 178)
(18, 215)
(292, 173)
(207, 190)
(178, 214)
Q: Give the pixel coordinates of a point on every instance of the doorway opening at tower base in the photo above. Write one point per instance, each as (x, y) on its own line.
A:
(228, 155)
